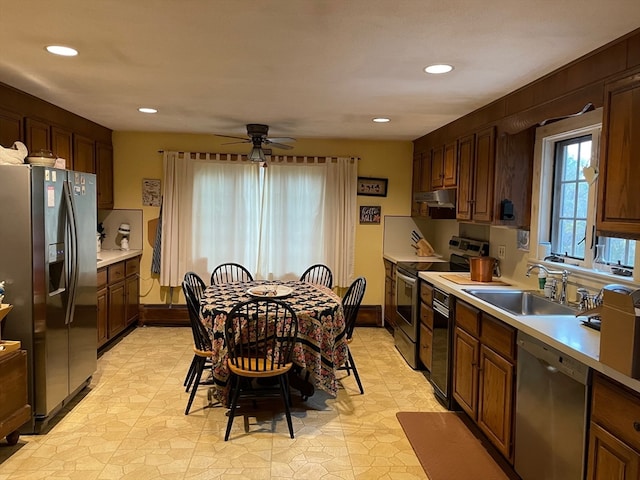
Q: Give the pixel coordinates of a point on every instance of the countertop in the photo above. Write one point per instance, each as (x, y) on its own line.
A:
(404, 257)
(109, 257)
(566, 334)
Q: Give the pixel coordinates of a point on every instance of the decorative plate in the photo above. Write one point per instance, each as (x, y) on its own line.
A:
(270, 291)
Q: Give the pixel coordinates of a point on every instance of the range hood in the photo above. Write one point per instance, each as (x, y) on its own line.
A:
(437, 198)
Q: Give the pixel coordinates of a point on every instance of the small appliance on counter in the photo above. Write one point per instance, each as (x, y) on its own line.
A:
(125, 231)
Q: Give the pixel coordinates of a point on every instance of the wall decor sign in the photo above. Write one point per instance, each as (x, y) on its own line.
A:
(375, 187)
(151, 196)
(370, 215)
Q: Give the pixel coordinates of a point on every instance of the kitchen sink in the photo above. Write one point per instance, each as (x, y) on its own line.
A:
(522, 302)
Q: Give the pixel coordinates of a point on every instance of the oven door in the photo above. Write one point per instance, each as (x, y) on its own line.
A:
(407, 304)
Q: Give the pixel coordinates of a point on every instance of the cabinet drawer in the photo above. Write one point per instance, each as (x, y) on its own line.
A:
(468, 318)
(387, 268)
(616, 409)
(499, 336)
(426, 293)
(102, 278)
(132, 266)
(116, 272)
(426, 315)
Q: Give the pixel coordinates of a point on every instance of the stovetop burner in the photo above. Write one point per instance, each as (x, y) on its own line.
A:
(456, 263)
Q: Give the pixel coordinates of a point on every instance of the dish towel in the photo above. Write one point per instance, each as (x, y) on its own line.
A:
(157, 244)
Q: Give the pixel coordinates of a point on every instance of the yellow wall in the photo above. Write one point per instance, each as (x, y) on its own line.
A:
(136, 157)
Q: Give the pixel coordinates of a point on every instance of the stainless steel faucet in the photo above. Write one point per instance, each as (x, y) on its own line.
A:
(564, 275)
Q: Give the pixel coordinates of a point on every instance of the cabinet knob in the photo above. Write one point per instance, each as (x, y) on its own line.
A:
(636, 426)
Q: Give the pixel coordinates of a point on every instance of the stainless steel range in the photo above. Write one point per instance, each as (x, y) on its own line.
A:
(407, 294)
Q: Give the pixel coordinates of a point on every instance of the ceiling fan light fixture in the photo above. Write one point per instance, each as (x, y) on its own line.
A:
(257, 155)
(381, 120)
(147, 110)
(439, 68)
(62, 50)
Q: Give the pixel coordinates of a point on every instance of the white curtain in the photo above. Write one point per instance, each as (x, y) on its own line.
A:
(276, 221)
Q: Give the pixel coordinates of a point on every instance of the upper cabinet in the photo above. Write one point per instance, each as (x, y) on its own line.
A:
(84, 155)
(37, 135)
(444, 166)
(10, 128)
(619, 205)
(104, 171)
(62, 145)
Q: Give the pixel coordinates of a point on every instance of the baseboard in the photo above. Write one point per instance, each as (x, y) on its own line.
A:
(177, 315)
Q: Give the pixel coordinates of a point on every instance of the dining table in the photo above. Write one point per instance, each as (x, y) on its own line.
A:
(321, 345)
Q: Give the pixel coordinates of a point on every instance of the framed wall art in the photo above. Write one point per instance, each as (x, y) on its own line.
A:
(375, 187)
(370, 215)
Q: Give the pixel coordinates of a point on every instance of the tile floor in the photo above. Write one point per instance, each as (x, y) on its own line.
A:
(130, 423)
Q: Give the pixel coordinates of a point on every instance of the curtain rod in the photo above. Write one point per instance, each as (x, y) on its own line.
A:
(309, 156)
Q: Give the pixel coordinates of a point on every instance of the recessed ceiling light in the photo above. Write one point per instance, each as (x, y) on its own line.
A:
(381, 120)
(147, 110)
(60, 50)
(439, 68)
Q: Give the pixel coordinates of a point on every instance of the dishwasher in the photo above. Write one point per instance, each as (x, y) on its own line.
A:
(551, 412)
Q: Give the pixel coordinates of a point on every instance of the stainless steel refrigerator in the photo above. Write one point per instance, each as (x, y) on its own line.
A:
(48, 261)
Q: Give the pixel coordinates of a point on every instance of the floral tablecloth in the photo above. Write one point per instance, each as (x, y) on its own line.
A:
(321, 346)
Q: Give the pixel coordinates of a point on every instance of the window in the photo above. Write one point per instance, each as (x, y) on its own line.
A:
(567, 207)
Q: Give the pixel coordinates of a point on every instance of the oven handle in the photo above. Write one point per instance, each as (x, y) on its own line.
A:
(410, 280)
(441, 309)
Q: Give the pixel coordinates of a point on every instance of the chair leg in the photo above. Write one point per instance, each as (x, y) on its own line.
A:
(190, 374)
(235, 388)
(352, 366)
(285, 398)
(199, 367)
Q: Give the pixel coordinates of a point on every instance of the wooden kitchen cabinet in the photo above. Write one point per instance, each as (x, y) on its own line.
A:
(117, 308)
(14, 408)
(103, 308)
(415, 185)
(425, 340)
(104, 173)
(62, 145)
(390, 315)
(132, 290)
(484, 373)
(37, 135)
(10, 128)
(618, 212)
(444, 164)
(84, 156)
(614, 441)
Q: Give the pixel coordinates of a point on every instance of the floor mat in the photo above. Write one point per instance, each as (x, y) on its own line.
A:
(447, 449)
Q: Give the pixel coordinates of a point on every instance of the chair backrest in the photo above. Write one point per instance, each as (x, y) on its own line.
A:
(230, 272)
(201, 338)
(319, 274)
(351, 303)
(196, 283)
(260, 334)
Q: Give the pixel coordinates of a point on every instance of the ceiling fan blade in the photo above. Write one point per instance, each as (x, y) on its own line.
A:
(235, 143)
(280, 139)
(280, 145)
(246, 140)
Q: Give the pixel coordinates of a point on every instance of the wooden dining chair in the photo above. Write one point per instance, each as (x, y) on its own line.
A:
(197, 286)
(202, 347)
(319, 274)
(351, 304)
(260, 335)
(230, 272)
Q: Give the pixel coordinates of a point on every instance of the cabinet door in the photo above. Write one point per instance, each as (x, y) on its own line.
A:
(38, 135)
(10, 128)
(618, 207)
(417, 177)
(132, 298)
(609, 458)
(437, 163)
(104, 173)
(84, 157)
(103, 313)
(62, 145)
(495, 399)
(425, 346)
(117, 308)
(483, 175)
(466, 352)
(466, 148)
(450, 165)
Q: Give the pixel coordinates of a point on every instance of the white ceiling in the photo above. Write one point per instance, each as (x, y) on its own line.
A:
(307, 68)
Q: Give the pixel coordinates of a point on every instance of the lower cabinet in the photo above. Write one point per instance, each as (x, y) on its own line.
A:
(614, 441)
(118, 298)
(14, 409)
(484, 373)
(425, 343)
(390, 295)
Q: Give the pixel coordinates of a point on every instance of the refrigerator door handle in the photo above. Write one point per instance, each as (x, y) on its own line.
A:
(72, 251)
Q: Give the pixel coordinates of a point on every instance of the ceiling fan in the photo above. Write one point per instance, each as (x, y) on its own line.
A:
(258, 137)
